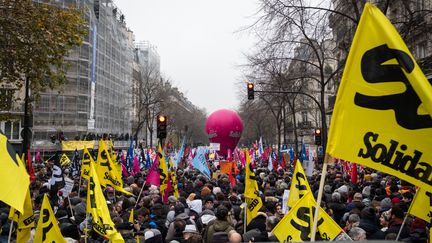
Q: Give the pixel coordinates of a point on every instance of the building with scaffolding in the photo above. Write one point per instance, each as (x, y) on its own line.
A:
(97, 97)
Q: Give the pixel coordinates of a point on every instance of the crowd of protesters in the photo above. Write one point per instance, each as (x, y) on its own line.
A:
(211, 210)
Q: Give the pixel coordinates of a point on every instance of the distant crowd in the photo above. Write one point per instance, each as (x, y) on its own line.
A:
(211, 210)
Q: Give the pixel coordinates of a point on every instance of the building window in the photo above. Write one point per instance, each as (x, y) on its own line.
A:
(304, 116)
(12, 130)
(6, 99)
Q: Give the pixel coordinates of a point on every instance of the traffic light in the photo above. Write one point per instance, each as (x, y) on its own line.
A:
(250, 90)
(162, 126)
(317, 134)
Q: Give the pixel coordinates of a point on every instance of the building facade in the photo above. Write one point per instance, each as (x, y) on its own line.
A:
(97, 96)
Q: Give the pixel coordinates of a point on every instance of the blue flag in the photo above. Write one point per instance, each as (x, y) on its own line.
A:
(200, 163)
(303, 153)
(291, 153)
(181, 151)
(130, 156)
(148, 162)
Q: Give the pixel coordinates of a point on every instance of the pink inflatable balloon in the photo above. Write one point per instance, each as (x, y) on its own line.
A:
(224, 127)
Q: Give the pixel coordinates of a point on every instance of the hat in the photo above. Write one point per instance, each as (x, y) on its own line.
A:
(172, 199)
(395, 200)
(157, 206)
(148, 234)
(386, 203)
(179, 208)
(190, 228)
(109, 189)
(216, 190)
(343, 189)
(327, 188)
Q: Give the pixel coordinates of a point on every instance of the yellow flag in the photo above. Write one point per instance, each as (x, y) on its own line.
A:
(163, 173)
(14, 179)
(382, 115)
(105, 168)
(25, 221)
(86, 161)
(173, 177)
(97, 207)
(131, 216)
(421, 205)
(296, 225)
(253, 199)
(299, 185)
(64, 160)
(47, 227)
(111, 150)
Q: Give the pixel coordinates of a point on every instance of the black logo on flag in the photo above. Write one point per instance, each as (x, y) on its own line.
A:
(405, 105)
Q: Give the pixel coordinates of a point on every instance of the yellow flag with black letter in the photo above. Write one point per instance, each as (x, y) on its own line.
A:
(163, 175)
(85, 165)
(25, 221)
(296, 225)
(14, 178)
(173, 177)
(97, 207)
(64, 160)
(421, 205)
(106, 170)
(47, 227)
(252, 196)
(299, 185)
(382, 115)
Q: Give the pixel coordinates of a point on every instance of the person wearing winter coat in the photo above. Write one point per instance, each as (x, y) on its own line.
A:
(219, 225)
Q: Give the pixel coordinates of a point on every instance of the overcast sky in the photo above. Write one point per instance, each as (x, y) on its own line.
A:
(198, 42)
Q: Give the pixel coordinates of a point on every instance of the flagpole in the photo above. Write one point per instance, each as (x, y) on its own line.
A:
(245, 221)
(318, 205)
(70, 205)
(406, 216)
(10, 231)
(139, 195)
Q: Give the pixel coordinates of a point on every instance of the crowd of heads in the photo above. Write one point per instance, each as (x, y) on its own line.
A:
(212, 210)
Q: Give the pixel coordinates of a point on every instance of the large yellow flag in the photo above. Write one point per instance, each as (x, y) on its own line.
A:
(296, 225)
(97, 207)
(25, 221)
(86, 161)
(382, 116)
(163, 173)
(421, 205)
(173, 177)
(14, 179)
(253, 199)
(47, 227)
(299, 185)
(106, 170)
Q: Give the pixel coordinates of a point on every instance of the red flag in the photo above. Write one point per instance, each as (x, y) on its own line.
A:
(283, 162)
(30, 167)
(353, 173)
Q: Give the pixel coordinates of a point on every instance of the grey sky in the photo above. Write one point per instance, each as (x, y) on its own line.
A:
(197, 43)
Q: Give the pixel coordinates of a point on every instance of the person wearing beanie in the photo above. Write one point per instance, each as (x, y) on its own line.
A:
(368, 222)
(217, 230)
(385, 204)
